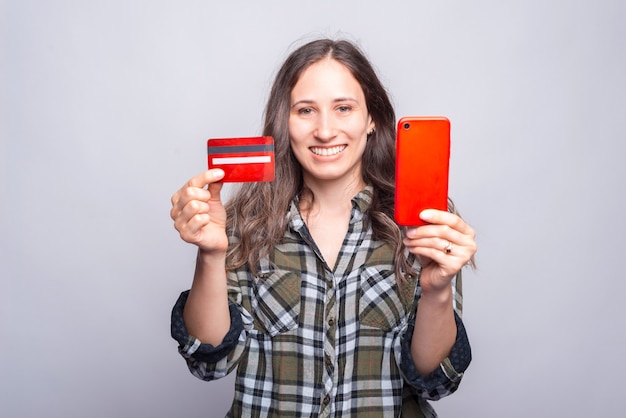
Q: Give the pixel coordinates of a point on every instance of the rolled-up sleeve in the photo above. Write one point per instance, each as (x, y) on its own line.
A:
(204, 359)
(445, 379)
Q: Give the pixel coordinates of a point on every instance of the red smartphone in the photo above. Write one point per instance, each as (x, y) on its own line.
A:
(242, 159)
(422, 164)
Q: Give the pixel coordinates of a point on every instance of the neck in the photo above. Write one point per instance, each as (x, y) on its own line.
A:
(330, 196)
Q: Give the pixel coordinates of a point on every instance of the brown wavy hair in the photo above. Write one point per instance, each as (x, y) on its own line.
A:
(257, 214)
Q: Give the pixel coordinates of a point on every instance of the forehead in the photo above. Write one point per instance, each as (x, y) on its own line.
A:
(327, 75)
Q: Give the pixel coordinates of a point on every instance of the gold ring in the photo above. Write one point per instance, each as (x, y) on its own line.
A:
(448, 248)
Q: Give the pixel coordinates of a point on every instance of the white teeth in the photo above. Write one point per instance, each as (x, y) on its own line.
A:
(325, 152)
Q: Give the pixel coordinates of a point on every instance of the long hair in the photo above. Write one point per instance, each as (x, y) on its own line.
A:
(257, 214)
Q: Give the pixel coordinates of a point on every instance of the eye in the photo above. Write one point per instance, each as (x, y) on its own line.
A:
(305, 111)
(344, 108)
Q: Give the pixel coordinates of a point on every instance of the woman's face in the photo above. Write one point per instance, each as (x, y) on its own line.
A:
(328, 123)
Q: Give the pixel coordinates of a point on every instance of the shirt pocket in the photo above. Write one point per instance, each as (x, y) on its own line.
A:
(276, 301)
(380, 305)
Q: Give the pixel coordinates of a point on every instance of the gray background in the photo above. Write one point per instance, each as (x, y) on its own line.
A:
(106, 106)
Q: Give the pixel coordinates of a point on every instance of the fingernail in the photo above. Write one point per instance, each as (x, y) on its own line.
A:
(426, 215)
(218, 173)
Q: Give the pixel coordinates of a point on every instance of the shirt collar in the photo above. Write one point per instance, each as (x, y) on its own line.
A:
(360, 204)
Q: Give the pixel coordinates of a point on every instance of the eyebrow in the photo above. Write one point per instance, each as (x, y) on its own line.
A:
(337, 100)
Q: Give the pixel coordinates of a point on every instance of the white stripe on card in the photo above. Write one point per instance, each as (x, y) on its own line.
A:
(242, 160)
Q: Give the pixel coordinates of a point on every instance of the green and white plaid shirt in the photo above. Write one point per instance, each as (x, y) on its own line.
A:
(310, 341)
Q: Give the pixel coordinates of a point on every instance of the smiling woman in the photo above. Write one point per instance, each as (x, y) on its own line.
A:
(328, 127)
(305, 285)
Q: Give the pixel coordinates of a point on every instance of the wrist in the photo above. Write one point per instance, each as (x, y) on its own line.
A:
(210, 268)
(206, 257)
(442, 296)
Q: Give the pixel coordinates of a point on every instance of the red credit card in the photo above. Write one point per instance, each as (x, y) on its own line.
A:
(243, 159)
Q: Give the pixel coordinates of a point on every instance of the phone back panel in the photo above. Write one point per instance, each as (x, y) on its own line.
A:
(422, 164)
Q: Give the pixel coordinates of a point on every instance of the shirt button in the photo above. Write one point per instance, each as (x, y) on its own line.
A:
(331, 322)
(326, 400)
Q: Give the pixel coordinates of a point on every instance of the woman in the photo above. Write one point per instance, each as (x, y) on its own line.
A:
(306, 285)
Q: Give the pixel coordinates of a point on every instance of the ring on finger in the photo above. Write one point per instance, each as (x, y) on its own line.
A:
(448, 248)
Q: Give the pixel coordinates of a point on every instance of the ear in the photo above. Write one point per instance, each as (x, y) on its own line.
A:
(371, 127)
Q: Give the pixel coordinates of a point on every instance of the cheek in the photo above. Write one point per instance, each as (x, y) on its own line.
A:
(297, 131)
(358, 132)
(294, 138)
(359, 127)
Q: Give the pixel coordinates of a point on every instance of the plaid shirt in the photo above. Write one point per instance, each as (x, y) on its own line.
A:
(308, 340)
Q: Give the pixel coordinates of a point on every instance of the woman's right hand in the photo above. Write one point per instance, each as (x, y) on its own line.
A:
(198, 213)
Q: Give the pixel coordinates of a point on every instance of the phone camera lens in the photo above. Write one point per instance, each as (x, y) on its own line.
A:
(407, 125)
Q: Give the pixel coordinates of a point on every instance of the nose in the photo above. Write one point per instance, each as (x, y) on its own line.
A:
(326, 129)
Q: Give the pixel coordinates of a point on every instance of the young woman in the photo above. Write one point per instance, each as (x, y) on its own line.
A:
(306, 285)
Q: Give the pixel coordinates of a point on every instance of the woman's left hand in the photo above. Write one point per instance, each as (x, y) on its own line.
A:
(443, 246)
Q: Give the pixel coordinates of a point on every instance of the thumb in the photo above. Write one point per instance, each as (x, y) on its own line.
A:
(216, 189)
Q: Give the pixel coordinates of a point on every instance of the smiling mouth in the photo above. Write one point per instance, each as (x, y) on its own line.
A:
(327, 152)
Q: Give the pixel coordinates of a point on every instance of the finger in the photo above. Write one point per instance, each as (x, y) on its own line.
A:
(192, 189)
(198, 182)
(184, 196)
(191, 229)
(194, 200)
(449, 262)
(436, 243)
(441, 232)
(439, 217)
(206, 177)
(442, 245)
(192, 208)
(440, 239)
(183, 219)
